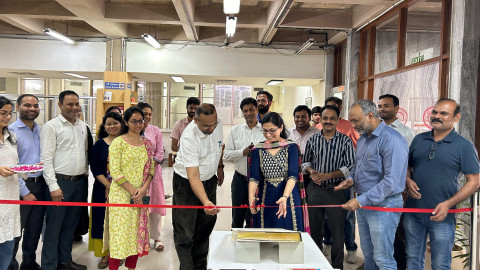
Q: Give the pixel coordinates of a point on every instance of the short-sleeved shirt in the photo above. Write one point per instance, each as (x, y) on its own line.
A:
(199, 150)
(178, 128)
(437, 177)
(406, 132)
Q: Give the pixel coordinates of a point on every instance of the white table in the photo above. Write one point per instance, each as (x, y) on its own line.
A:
(221, 255)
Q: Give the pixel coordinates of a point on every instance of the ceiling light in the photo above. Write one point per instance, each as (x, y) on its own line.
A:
(274, 82)
(231, 25)
(177, 79)
(153, 42)
(76, 75)
(305, 46)
(57, 35)
(231, 6)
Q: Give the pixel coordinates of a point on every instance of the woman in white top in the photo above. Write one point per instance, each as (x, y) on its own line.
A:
(9, 190)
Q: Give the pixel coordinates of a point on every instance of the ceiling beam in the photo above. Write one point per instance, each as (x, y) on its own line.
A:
(93, 13)
(362, 14)
(312, 19)
(276, 11)
(32, 26)
(164, 13)
(186, 12)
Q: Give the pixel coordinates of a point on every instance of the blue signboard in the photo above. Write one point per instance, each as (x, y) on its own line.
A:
(114, 85)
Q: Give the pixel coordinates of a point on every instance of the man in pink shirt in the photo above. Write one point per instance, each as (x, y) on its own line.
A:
(180, 125)
(344, 126)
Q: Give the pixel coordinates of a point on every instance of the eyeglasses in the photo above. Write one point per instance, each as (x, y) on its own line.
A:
(271, 131)
(212, 125)
(4, 113)
(434, 147)
(135, 122)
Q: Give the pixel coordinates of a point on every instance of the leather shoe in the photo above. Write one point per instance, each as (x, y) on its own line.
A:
(32, 266)
(71, 266)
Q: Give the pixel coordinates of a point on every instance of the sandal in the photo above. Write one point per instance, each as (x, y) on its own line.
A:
(168, 196)
(103, 263)
(158, 246)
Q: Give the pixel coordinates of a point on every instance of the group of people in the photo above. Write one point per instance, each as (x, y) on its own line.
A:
(321, 162)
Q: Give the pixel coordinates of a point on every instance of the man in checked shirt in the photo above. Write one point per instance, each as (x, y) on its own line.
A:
(328, 158)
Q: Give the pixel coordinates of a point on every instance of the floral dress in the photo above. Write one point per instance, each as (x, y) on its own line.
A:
(128, 226)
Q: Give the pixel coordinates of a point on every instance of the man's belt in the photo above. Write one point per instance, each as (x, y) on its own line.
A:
(69, 177)
(35, 179)
(240, 175)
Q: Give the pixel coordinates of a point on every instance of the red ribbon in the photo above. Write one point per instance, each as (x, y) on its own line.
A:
(382, 209)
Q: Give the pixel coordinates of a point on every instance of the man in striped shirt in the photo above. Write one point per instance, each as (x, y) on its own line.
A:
(328, 158)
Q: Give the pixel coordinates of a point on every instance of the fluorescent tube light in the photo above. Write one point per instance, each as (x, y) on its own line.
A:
(231, 25)
(305, 46)
(153, 42)
(76, 75)
(274, 82)
(231, 6)
(177, 79)
(57, 35)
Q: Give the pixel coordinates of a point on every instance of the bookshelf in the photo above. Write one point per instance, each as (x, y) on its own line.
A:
(117, 91)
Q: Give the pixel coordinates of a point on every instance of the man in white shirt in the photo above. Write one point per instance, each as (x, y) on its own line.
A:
(241, 139)
(302, 131)
(195, 183)
(388, 106)
(63, 144)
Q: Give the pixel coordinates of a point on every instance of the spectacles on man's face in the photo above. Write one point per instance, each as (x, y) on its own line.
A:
(135, 122)
(4, 113)
(210, 126)
(271, 131)
(434, 147)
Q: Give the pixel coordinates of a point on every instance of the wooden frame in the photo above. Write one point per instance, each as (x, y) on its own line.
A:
(366, 70)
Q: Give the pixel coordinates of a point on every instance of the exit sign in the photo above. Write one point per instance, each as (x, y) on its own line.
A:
(417, 59)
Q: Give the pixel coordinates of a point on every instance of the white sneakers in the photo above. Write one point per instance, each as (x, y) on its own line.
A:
(351, 257)
(327, 250)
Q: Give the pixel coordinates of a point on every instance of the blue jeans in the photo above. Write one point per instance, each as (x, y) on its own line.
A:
(6, 251)
(442, 237)
(349, 230)
(377, 232)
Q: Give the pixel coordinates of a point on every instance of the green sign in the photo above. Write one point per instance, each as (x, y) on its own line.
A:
(417, 59)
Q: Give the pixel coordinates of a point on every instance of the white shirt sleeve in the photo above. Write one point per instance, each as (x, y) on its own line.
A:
(231, 153)
(47, 152)
(191, 157)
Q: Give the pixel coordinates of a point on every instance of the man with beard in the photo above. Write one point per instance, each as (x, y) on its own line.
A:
(32, 188)
(329, 157)
(344, 126)
(180, 125)
(241, 139)
(388, 106)
(436, 159)
(316, 115)
(63, 143)
(199, 162)
(379, 175)
(264, 101)
(302, 130)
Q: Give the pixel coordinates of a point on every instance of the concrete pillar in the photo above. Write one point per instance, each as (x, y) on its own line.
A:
(114, 55)
(330, 59)
(465, 62)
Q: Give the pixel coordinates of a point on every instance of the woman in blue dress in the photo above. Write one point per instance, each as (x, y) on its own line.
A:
(274, 180)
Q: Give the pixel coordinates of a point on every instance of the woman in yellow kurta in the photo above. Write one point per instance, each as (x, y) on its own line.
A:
(130, 157)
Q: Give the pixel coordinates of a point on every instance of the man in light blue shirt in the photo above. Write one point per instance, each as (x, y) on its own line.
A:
(379, 178)
(33, 187)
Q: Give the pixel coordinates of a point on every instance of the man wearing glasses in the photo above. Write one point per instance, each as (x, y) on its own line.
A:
(64, 145)
(198, 163)
(264, 101)
(435, 160)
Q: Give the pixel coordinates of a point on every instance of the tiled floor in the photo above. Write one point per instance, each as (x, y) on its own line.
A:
(167, 259)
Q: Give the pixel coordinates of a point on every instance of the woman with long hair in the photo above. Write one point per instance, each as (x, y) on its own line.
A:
(157, 191)
(131, 169)
(273, 177)
(98, 158)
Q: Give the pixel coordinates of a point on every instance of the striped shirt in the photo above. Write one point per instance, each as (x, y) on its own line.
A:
(327, 156)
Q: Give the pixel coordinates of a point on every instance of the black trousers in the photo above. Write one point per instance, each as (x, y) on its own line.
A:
(61, 223)
(192, 227)
(31, 220)
(240, 216)
(336, 218)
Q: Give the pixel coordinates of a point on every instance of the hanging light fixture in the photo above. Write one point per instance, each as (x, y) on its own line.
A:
(231, 25)
(59, 36)
(153, 42)
(305, 46)
(231, 6)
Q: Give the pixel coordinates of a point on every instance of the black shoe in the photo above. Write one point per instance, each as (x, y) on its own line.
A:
(78, 238)
(71, 266)
(32, 266)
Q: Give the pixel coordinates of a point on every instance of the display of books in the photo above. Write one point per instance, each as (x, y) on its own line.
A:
(266, 235)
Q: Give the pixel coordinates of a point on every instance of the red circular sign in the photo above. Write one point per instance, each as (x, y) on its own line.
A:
(402, 115)
(426, 117)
